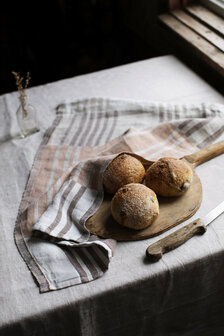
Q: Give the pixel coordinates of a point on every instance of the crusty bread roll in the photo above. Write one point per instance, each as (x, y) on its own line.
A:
(135, 206)
(122, 170)
(169, 177)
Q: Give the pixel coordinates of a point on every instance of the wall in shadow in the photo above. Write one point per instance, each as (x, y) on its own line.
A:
(59, 39)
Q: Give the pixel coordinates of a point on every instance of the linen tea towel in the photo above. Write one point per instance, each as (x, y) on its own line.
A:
(65, 184)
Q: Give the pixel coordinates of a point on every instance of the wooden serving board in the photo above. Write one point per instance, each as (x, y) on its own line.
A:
(173, 210)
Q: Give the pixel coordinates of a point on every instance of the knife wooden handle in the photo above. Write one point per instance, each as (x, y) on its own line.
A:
(205, 154)
(155, 251)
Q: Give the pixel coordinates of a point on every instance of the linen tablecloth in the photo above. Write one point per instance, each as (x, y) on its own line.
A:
(180, 295)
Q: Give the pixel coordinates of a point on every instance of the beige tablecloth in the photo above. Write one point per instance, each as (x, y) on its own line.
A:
(180, 295)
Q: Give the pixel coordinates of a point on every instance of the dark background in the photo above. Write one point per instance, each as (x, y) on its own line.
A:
(63, 38)
(56, 39)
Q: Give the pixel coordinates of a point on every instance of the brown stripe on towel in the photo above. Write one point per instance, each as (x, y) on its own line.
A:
(176, 112)
(71, 208)
(68, 130)
(169, 113)
(87, 130)
(103, 250)
(56, 173)
(196, 127)
(91, 210)
(51, 130)
(99, 117)
(77, 265)
(184, 123)
(84, 128)
(90, 138)
(100, 259)
(113, 126)
(104, 128)
(81, 252)
(186, 143)
(59, 213)
(161, 113)
(77, 133)
(211, 137)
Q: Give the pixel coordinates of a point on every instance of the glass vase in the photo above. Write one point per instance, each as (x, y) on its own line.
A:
(27, 119)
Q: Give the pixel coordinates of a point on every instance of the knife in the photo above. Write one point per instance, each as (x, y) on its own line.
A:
(155, 251)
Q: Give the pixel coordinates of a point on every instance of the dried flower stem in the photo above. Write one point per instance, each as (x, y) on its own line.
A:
(21, 89)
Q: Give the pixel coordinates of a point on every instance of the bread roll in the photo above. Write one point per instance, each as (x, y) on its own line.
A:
(122, 170)
(169, 177)
(135, 206)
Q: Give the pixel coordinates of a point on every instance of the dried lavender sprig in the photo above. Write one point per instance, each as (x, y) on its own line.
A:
(21, 89)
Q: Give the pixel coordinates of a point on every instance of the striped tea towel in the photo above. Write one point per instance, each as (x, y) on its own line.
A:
(65, 184)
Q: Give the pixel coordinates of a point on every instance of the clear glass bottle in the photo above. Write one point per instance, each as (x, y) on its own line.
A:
(27, 119)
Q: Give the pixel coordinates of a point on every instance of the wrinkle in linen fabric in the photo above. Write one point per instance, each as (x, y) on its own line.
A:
(65, 184)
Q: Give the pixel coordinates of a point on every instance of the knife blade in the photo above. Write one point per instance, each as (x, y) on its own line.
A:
(155, 251)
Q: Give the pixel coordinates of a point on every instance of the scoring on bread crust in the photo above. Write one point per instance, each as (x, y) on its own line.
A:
(169, 177)
(135, 206)
(124, 169)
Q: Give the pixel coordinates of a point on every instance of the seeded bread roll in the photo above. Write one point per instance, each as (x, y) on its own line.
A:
(169, 177)
(122, 170)
(135, 206)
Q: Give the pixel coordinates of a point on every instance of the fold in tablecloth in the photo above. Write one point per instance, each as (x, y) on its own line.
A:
(65, 184)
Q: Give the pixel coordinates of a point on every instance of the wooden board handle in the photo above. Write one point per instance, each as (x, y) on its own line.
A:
(205, 154)
(155, 251)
